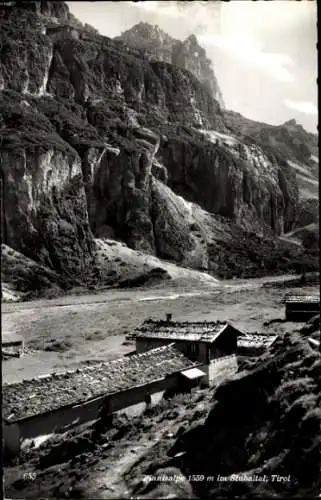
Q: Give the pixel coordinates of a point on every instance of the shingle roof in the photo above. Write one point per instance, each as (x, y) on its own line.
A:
(173, 330)
(256, 340)
(46, 393)
(11, 339)
(315, 299)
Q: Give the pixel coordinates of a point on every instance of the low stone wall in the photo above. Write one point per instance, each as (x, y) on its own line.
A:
(139, 408)
(222, 368)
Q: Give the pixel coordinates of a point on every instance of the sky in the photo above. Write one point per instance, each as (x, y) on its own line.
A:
(263, 53)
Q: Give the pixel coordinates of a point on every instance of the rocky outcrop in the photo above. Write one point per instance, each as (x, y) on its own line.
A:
(289, 140)
(187, 54)
(191, 56)
(150, 39)
(186, 100)
(157, 91)
(172, 219)
(22, 277)
(276, 401)
(28, 73)
(54, 10)
(308, 213)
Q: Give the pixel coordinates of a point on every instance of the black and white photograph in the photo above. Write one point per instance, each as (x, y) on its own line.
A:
(160, 286)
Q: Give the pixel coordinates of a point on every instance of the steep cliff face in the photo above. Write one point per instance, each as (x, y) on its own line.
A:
(233, 180)
(187, 54)
(100, 140)
(93, 73)
(300, 148)
(118, 192)
(44, 209)
(173, 219)
(25, 54)
(54, 10)
(191, 56)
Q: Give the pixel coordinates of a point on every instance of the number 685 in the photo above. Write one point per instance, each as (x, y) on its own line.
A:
(31, 476)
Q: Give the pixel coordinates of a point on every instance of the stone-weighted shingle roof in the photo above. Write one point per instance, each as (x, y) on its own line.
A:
(309, 299)
(256, 340)
(198, 331)
(46, 393)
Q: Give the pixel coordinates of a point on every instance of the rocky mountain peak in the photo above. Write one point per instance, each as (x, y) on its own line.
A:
(294, 125)
(142, 34)
(187, 54)
(291, 122)
(192, 39)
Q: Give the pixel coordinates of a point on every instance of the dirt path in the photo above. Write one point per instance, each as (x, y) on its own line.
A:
(108, 480)
(137, 295)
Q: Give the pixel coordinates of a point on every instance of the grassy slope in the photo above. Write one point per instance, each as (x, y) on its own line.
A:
(276, 401)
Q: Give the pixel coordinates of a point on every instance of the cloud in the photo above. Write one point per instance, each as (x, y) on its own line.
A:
(306, 107)
(233, 29)
(197, 12)
(170, 9)
(247, 49)
(221, 28)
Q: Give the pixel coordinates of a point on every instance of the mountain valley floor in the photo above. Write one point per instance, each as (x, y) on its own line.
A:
(64, 332)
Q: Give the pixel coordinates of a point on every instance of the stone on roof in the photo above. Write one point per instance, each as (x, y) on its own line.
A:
(43, 394)
(10, 339)
(201, 331)
(303, 298)
(256, 340)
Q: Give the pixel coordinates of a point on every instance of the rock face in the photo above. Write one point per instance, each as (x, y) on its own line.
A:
(102, 140)
(187, 54)
(300, 148)
(289, 140)
(119, 195)
(239, 182)
(22, 277)
(54, 10)
(92, 73)
(44, 209)
(172, 219)
(191, 56)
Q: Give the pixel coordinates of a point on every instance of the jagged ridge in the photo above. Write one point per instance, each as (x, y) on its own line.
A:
(157, 45)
